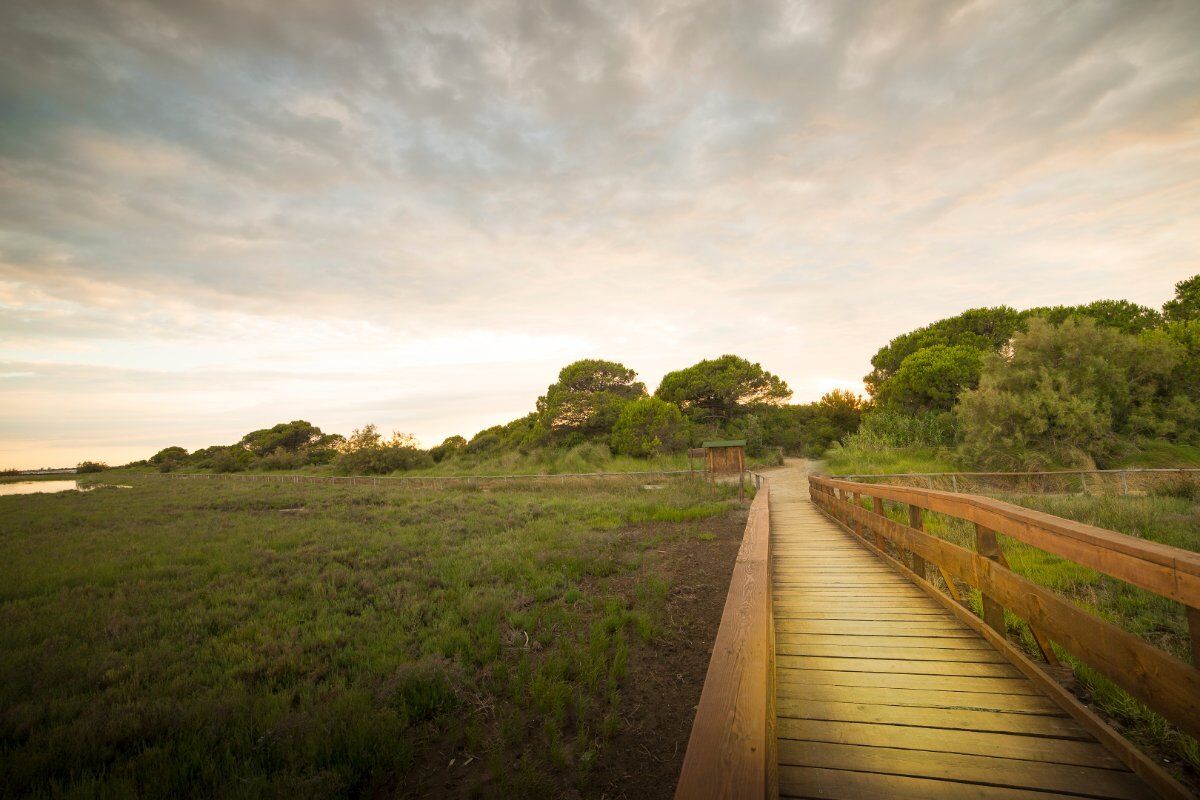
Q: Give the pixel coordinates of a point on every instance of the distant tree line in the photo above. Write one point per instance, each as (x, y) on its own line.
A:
(997, 387)
(1050, 386)
(594, 402)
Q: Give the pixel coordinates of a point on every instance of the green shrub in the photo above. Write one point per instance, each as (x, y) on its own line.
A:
(366, 453)
(1066, 394)
(648, 426)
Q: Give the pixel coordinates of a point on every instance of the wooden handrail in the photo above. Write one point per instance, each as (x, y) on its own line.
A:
(1165, 683)
(1044, 473)
(1168, 571)
(732, 749)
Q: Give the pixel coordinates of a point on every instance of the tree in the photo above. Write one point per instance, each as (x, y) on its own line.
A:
(1066, 393)
(169, 455)
(648, 426)
(91, 466)
(1185, 307)
(716, 390)
(291, 437)
(931, 379)
(843, 410)
(587, 399)
(985, 329)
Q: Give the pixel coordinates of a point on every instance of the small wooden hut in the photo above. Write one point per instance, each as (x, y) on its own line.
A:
(726, 456)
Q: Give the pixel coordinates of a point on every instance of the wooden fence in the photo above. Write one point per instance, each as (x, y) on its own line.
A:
(1166, 684)
(415, 480)
(1095, 481)
(732, 750)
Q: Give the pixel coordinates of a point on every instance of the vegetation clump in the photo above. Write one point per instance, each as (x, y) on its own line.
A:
(1052, 387)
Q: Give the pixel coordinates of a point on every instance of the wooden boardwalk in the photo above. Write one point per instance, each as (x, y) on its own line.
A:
(881, 692)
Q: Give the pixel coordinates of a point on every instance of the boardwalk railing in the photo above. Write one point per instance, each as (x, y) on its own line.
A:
(732, 750)
(1166, 684)
(1094, 481)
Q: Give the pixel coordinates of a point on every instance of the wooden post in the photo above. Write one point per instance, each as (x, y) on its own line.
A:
(879, 540)
(1124, 483)
(988, 547)
(916, 521)
(954, 481)
(858, 530)
(1193, 618)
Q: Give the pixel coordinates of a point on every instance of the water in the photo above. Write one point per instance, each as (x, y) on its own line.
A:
(38, 487)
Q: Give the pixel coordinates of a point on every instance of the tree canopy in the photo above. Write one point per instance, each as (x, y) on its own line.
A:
(718, 389)
(932, 378)
(1122, 315)
(1185, 306)
(985, 329)
(587, 398)
(288, 436)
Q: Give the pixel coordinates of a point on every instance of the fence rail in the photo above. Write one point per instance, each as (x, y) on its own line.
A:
(732, 751)
(1166, 684)
(1125, 481)
(375, 480)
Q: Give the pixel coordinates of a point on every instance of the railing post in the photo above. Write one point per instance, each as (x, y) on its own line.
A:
(988, 547)
(879, 540)
(857, 522)
(1193, 618)
(916, 521)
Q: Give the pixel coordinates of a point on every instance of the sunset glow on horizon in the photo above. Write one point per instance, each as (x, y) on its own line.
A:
(217, 217)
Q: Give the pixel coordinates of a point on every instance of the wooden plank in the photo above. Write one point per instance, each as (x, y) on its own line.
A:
(978, 769)
(935, 740)
(832, 784)
(951, 719)
(1007, 686)
(801, 592)
(966, 643)
(897, 665)
(799, 645)
(928, 698)
(915, 613)
(730, 753)
(938, 628)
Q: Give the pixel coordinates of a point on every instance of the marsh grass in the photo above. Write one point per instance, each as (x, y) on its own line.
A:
(1169, 520)
(856, 460)
(241, 640)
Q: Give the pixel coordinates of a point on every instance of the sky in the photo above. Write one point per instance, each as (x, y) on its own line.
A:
(219, 216)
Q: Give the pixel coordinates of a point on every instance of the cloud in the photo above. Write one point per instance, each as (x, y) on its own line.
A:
(220, 185)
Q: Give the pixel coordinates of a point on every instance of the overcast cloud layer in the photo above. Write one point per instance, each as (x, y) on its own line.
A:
(218, 216)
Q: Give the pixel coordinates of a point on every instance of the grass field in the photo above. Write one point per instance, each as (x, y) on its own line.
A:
(228, 640)
(1171, 517)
